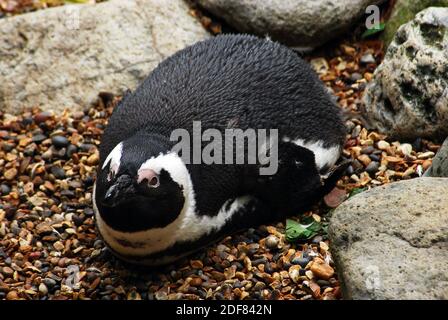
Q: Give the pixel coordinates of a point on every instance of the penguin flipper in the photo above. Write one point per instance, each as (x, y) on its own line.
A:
(295, 184)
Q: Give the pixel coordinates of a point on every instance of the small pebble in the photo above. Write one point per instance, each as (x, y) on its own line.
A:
(42, 117)
(7, 147)
(161, 295)
(383, 145)
(196, 264)
(357, 165)
(12, 295)
(7, 271)
(43, 289)
(272, 242)
(49, 283)
(4, 189)
(93, 159)
(373, 167)
(367, 59)
(10, 174)
(196, 282)
(375, 157)
(47, 155)
(71, 149)
(406, 149)
(294, 273)
(355, 76)
(318, 239)
(86, 147)
(426, 155)
(321, 270)
(59, 141)
(300, 261)
(367, 150)
(365, 159)
(58, 172)
(38, 138)
(323, 246)
(350, 125)
(58, 246)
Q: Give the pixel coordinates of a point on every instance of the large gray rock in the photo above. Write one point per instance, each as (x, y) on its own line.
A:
(391, 242)
(62, 57)
(439, 167)
(298, 23)
(404, 11)
(408, 97)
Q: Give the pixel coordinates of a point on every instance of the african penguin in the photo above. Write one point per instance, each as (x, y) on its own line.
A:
(151, 207)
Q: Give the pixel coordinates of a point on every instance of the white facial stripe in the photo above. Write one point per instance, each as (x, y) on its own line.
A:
(325, 157)
(114, 158)
(172, 163)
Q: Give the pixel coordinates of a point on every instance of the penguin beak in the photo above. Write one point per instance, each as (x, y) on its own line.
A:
(119, 191)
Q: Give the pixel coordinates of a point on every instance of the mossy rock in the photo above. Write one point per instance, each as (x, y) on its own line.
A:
(407, 97)
(404, 11)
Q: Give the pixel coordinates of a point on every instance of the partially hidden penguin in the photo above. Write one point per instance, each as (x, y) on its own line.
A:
(152, 206)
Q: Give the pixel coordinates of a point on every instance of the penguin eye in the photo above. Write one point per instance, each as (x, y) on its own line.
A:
(299, 164)
(154, 182)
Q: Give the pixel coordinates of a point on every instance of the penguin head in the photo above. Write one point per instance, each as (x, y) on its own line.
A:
(141, 185)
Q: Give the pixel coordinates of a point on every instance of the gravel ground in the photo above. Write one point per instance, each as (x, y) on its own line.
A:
(49, 248)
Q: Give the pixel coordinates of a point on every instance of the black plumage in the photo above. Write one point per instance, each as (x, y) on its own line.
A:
(230, 81)
(237, 80)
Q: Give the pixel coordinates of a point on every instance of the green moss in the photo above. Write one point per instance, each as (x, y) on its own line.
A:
(404, 11)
